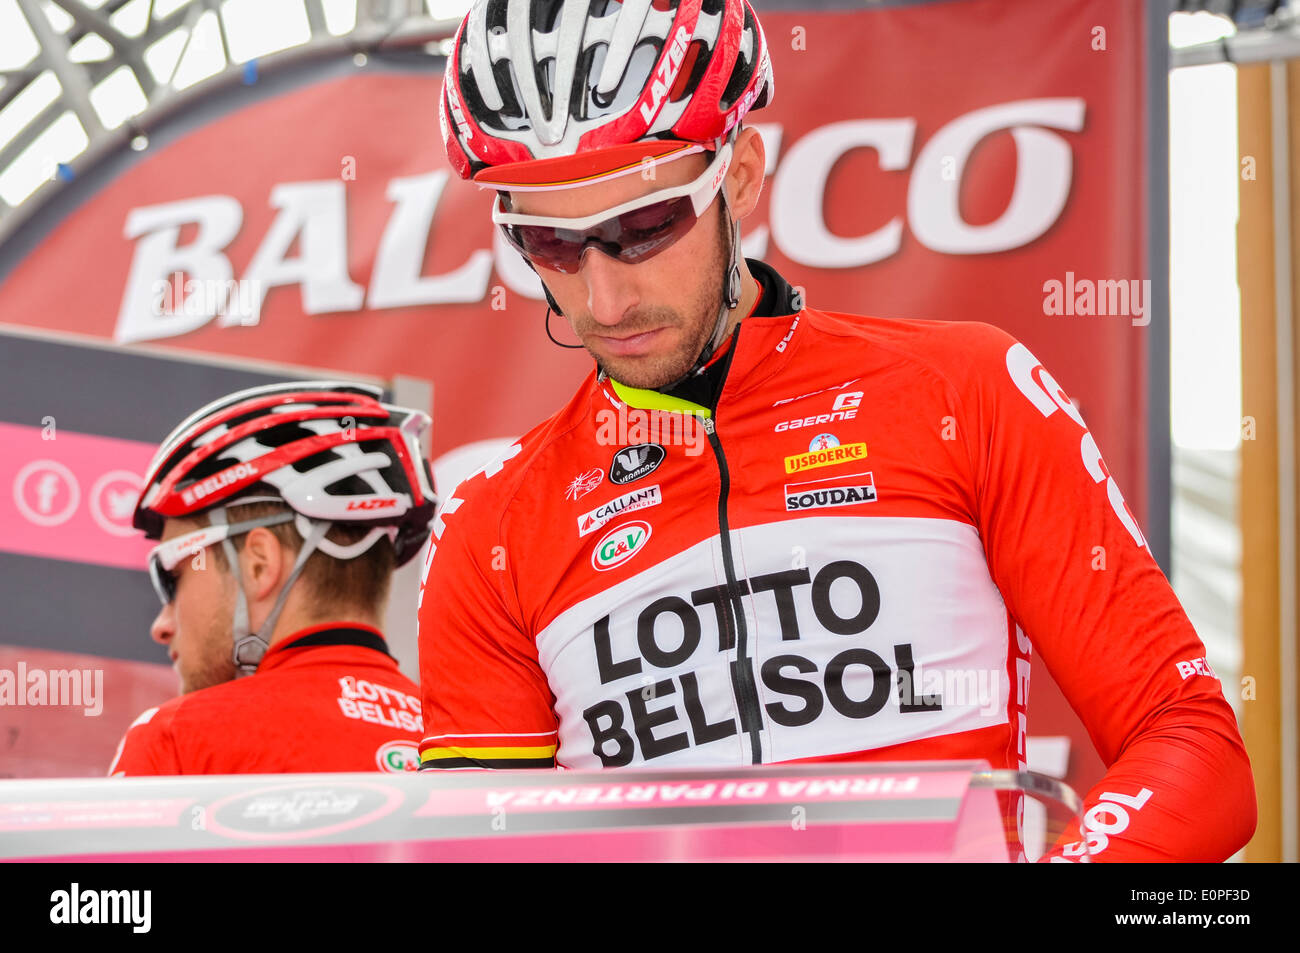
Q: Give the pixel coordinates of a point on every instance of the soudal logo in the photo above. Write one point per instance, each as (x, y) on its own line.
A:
(635, 462)
(636, 500)
(825, 451)
(620, 544)
(227, 477)
(373, 504)
(847, 490)
(668, 69)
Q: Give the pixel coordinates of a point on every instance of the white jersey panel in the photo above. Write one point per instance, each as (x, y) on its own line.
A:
(861, 632)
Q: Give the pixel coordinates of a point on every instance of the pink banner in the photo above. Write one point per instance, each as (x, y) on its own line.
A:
(919, 842)
(66, 495)
(80, 815)
(708, 793)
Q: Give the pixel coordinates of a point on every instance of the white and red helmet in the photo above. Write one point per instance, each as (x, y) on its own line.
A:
(556, 93)
(330, 450)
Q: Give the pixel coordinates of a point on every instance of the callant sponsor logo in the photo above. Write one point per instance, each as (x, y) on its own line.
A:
(227, 477)
(593, 520)
(847, 490)
(825, 451)
(620, 544)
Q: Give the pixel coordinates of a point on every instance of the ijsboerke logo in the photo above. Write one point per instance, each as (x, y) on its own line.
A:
(632, 463)
(825, 451)
(620, 544)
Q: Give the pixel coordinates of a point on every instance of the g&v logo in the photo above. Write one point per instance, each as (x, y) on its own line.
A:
(620, 544)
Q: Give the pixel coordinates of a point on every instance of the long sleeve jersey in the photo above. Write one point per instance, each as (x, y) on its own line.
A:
(849, 540)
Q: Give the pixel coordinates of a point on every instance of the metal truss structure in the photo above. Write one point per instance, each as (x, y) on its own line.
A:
(80, 45)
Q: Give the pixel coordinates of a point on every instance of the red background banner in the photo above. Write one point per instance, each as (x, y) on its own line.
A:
(942, 160)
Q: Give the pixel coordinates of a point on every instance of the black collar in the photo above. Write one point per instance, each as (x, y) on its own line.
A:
(778, 298)
(343, 635)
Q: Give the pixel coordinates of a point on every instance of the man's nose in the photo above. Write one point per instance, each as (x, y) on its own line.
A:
(163, 629)
(610, 294)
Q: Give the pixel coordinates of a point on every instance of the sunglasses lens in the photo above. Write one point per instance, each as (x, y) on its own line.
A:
(645, 232)
(632, 237)
(164, 583)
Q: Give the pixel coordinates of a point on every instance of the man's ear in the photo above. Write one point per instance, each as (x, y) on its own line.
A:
(745, 177)
(262, 564)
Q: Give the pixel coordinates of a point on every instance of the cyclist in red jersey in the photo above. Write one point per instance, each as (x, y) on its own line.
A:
(763, 532)
(282, 512)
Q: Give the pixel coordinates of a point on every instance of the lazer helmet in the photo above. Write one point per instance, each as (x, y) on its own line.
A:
(329, 451)
(552, 94)
(602, 80)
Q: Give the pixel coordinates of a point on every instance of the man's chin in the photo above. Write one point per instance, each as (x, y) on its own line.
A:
(650, 372)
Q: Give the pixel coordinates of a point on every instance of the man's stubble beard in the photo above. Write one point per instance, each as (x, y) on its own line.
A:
(671, 368)
(212, 662)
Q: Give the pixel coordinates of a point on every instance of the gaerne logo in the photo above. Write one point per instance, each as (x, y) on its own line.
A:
(845, 407)
(847, 490)
(635, 462)
(228, 476)
(825, 452)
(636, 500)
(620, 544)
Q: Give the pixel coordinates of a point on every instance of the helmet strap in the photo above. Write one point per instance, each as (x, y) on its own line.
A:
(249, 646)
(731, 287)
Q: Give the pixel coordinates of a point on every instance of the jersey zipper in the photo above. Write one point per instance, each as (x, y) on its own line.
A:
(742, 670)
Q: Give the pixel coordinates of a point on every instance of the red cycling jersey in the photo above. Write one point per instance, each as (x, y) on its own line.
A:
(328, 698)
(849, 550)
